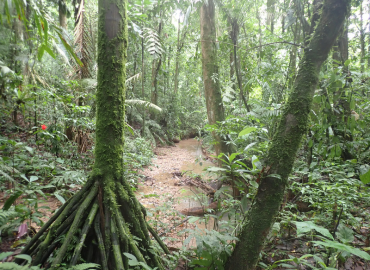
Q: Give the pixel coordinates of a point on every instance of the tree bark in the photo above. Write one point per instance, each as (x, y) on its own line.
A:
(270, 14)
(362, 38)
(177, 58)
(62, 13)
(286, 141)
(106, 200)
(212, 91)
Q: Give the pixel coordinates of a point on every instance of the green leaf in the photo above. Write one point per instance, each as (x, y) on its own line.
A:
(60, 198)
(41, 52)
(11, 200)
(70, 50)
(247, 131)
(5, 254)
(345, 234)
(355, 251)
(49, 51)
(130, 256)
(85, 266)
(29, 149)
(33, 178)
(193, 219)
(24, 257)
(129, 128)
(233, 156)
(306, 226)
(216, 169)
(365, 178)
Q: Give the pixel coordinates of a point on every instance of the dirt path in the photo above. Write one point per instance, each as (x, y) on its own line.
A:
(162, 193)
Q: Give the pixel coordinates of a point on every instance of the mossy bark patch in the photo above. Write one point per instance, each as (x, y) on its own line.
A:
(286, 141)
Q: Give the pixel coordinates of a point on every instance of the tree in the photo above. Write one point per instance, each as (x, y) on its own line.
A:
(215, 110)
(286, 141)
(105, 210)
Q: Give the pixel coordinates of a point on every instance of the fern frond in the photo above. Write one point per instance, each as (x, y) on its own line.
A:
(6, 170)
(152, 42)
(143, 103)
(133, 79)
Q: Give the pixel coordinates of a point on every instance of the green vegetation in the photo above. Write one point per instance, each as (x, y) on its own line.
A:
(276, 91)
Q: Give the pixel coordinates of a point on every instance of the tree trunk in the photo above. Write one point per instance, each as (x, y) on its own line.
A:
(62, 13)
(286, 141)
(177, 59)
(212, 91)
(105, 215)
(234, 34)
(362, 39)
(270, 14)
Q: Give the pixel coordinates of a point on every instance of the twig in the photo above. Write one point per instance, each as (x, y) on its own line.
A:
(336, 226)
(182, 222)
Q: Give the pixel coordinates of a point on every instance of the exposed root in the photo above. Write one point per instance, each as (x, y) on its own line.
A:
(101, 222)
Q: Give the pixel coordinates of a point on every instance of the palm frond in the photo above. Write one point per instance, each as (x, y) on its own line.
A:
(84, 44)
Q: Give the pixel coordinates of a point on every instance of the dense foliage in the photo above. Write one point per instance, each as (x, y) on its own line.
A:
(48, 82)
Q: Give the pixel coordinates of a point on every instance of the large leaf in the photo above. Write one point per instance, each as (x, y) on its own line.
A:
(355, 251)
(11, 200)
(5, 254)
(365, 178)
(307, 226)
(247, 131)
(345, 234)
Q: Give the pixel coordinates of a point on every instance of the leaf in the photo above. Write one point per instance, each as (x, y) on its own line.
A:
(24, 257)
(60, 198)
(29, 149)
(306, 226)
(40, 52)
(249, 146)
(233, 156)
(22, 230)
(193, 219)
(4, 255)
(33, 178)
(49, 51)
(355, 251)
(130, 256)
(11, 200)
(130, 129)
(85, 266)
(216, 169)
(365, 178)
(247, 131)
(345, 234)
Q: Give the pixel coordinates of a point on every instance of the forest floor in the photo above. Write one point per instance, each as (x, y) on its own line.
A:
(175, 185)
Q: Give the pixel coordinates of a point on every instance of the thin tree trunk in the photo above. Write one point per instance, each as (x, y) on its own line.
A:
(286, 141)
(62, 14)
(177, 59)
(156, 66)
(215, 109)
(270, 14)
(234, 37)
(362, 39)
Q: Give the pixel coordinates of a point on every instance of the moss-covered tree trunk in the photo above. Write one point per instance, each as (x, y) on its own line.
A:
(285, 143)
(212, 91)
(104, 216)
